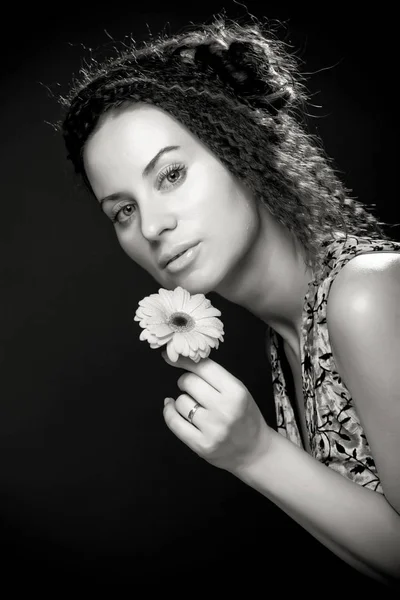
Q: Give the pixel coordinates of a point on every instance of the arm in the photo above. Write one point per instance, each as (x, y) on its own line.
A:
(355, 523)
(359, 525)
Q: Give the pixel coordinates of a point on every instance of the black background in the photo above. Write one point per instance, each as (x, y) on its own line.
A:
(94, 489)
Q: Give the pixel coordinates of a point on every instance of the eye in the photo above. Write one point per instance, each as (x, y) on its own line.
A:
(173, 174)
(122, 214)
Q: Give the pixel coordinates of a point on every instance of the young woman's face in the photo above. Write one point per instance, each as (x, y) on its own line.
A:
(186, 200)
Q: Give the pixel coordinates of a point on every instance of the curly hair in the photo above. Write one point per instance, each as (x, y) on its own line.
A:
(239, 90)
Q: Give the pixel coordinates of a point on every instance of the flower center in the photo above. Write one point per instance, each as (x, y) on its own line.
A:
(181, 321)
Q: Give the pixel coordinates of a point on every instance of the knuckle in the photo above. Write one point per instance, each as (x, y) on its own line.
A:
(180, 399)
(221, 434)
(237, 389)
(182, 380)
(181, 403)
(211, 444)
(208, 448)
(238, 408)
(244, 392)
(240, 395)
(235, 383)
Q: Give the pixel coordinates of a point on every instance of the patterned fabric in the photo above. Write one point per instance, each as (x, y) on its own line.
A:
(334, 430)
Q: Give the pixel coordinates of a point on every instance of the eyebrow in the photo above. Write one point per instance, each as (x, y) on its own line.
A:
(146, 172)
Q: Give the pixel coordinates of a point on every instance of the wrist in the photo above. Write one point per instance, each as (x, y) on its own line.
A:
(259, 457)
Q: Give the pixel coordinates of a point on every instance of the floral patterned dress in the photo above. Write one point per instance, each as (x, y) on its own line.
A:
(334, 430)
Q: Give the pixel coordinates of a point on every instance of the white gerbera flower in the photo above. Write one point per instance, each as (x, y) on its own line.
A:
(187, 324)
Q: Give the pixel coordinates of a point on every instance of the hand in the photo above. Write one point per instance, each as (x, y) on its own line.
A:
(228, 429)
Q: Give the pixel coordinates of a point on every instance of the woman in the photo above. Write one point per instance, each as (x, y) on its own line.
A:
(194, 143)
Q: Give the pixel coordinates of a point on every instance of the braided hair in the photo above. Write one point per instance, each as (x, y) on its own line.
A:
(240, 92)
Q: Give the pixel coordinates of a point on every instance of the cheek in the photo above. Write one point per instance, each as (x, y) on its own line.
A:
(134, 248)
(238, 220)
(139, 252)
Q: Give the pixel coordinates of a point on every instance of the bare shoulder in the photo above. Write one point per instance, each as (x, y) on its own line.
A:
(364, 301)
(371, 262)
(363, 319)
(363, 309)
(365, 276)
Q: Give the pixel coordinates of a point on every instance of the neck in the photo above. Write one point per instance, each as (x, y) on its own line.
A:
(272, 281)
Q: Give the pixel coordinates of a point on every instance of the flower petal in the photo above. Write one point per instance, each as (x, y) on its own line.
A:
(206, 313)
(186, 301)
(152, 313)
(143, 323)
(179, 298)
(208, 330)
(154, 339)
(193, 354)
(144, 335)
(202, 307)
(152, 320)
(210, 341)
(159, 329)
(193, 340)
(205, 353)
(159, 342)
(166, 297)
(186, 346)
(209, 320)
(181, 344)
(171, 351)
(153, 301)
(194, 302)
(202, 342)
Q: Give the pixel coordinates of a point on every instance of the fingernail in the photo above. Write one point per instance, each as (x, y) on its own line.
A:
(166, 400)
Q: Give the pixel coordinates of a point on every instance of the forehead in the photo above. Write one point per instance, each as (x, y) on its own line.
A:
(140, 129)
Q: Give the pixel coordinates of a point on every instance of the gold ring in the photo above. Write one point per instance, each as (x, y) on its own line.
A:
(192, 411)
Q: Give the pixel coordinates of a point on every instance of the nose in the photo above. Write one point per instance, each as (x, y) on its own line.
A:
(155, 220)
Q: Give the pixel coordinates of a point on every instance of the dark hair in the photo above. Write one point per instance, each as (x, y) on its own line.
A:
(238, 89)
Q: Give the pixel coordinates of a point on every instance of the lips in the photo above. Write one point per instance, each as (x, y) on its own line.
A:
(176, 256)
(183, 261)
(168, 257)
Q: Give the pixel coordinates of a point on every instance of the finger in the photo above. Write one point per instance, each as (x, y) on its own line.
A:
(189, 435)
(207, 369)
(198, 389)
(184, 404)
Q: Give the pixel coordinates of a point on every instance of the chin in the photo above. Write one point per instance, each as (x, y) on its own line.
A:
(198, 289)
(190, 282)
